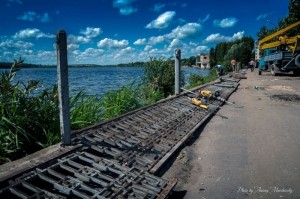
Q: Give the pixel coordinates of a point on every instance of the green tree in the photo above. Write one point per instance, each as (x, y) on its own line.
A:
(292, 17)
(212, 56)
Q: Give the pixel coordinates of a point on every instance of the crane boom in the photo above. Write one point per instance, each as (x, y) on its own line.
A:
(281, 56)
(279, 32)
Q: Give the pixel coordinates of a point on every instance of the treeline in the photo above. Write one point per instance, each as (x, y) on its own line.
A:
(134, 64)
(25, 65)
(224, 52)
(292, 17)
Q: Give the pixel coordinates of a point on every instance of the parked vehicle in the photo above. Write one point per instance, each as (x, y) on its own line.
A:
(281, 56)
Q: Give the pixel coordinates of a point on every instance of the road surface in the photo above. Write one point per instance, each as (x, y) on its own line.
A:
(254, 153)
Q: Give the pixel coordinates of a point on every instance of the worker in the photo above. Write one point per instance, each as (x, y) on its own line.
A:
(252, 64)
(219, 69)
(233, 65)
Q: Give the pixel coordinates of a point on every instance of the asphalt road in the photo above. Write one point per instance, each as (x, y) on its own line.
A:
(255, 153)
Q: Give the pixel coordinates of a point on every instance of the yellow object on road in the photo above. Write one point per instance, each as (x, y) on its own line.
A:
(209, 94)
(199, 103)
(205, 93)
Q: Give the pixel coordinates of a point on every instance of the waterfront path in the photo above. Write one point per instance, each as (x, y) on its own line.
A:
(252, 154)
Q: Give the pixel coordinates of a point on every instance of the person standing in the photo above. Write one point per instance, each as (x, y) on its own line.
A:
(252, 65)
(233, 65)
(219, 69)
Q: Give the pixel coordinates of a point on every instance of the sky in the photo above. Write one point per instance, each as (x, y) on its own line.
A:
(123, 31)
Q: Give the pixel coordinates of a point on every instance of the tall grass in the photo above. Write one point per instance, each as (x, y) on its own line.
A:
(120, 101)
(159, 74)
(30, 121)
(85, 110)
(197, 80)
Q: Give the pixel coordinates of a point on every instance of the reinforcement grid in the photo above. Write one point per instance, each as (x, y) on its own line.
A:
(116, 156)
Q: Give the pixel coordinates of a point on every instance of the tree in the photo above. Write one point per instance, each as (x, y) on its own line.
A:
(212, 56)
(293, 16)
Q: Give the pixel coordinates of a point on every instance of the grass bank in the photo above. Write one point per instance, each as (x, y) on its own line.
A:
(30, 121)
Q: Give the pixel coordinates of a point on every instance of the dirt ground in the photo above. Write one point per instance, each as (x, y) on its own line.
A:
(254, 153)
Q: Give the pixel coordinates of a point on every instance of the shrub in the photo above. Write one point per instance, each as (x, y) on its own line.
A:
(160, 75)
(118, 102)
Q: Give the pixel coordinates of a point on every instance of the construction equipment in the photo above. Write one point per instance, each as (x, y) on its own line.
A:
(209, 94)
(279, 56)
(216, 95)
(199, 103)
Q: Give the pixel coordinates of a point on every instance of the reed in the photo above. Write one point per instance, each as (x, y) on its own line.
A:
(30, 120)
(120, 101)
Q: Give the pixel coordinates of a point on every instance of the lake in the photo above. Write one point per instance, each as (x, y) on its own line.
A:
(94, 80)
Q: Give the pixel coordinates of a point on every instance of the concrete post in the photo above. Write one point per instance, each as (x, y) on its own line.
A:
(177, 71)
(63, 87)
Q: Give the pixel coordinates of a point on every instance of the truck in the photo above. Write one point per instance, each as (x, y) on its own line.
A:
(279, 56)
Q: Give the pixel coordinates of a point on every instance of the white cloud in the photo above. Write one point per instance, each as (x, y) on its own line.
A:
(148, 48)
(92, 52)
(31, 33)
(91, 32)
(33, 16)
(73, 47)
(162, 21)
(237, 36)
(156, 40)
(110, 43)
(189, 30)
(72, 39)
(126, 51)
(176, 43)
(10, 44)
(215, 38)
(140, 42)
(225, 23)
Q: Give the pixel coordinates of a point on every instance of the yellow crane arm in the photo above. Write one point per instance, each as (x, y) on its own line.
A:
(279, 32)
(284, 40)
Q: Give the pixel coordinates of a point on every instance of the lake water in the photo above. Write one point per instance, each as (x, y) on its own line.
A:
(94, 80)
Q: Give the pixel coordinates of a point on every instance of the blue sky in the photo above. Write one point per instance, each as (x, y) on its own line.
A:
(124, 31)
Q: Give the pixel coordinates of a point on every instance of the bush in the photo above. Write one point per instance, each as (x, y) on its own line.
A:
(160, 75)
(197, 80)
(118, 102)
(30, 121)
(26, 117)
(85, 110)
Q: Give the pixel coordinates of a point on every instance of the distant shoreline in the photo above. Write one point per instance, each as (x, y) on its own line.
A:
(4, 65)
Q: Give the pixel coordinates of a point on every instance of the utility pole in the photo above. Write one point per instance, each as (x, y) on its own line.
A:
(63, 87)
(177, 71)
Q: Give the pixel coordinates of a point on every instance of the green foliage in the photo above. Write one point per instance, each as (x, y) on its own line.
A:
(85, 110)
(160, 75)
(292, 17)
(188, 61)
(212, 55)
(148, 95)
(241, 50)
(118, 102)
(30, 120)
(25, 115)
(197, 80)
